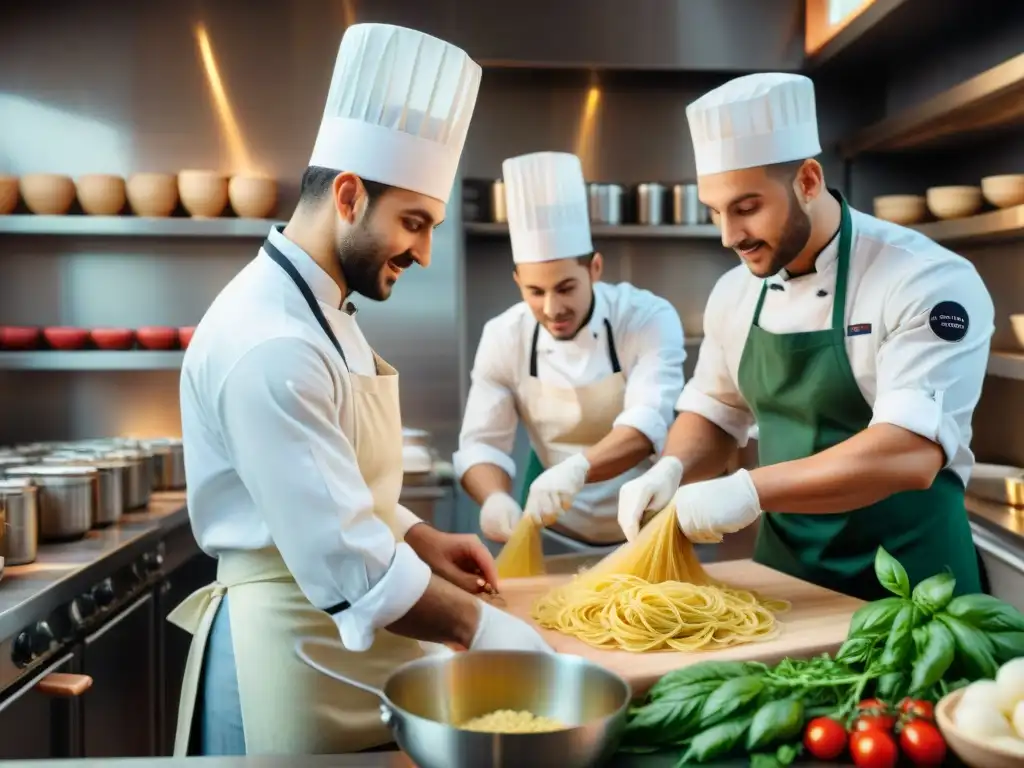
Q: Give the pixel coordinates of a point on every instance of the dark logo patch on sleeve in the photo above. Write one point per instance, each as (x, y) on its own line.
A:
(858, 329)
(949, 321)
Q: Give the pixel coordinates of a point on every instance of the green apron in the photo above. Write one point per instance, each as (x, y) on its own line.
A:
(533, 470)
(803, 394)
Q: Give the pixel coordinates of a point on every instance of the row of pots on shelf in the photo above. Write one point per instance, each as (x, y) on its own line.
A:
(22, 339)
(952, 202)
(204, 194)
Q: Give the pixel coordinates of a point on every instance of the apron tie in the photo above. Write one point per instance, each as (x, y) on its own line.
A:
(190, 612)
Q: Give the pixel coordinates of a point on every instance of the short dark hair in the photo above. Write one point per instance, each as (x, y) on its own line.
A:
(785, 172)
(317, 180)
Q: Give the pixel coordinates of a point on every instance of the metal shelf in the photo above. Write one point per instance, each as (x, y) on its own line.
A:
(91, 360)
(993, 99)
(134, 226)
(996, 226)
(1006, 365)
(614, 231)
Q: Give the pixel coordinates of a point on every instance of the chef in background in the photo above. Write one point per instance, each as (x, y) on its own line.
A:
(591, 369)
(857, 346)
(293, 437)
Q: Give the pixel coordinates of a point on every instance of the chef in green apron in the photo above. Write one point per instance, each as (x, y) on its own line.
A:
(856, 346)
(590, 369)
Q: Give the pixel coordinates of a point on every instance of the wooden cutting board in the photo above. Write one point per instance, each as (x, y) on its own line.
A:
(817, 623)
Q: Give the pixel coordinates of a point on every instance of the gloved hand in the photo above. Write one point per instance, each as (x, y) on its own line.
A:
(724, 505)
(652, 490)
(499, 515)
(501, 631)
(552, 492)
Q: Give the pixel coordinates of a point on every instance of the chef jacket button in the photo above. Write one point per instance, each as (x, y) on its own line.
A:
(822, 293)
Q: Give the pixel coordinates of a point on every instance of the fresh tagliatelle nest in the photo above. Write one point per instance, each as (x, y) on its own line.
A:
(651, 594)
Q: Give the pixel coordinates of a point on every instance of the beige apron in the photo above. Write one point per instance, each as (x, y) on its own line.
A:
(288, 707)
(565, 421)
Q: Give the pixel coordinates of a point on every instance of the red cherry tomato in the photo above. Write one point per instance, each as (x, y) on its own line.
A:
(825, 738)
(873, 722)
(873, 749)
(917, 708)
(877, 704)
(922, 743)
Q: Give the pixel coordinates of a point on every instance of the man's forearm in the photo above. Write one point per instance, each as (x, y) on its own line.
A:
(445, 614)
(481, 480)
(868, 467)
(617, 452)
(703, 448)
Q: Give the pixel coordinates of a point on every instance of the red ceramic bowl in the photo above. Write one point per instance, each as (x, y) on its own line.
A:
(18, 337)
(113, 338)
(154, 337)
(185, 335)
(66, 338)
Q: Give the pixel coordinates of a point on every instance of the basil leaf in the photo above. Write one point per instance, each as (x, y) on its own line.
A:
(1007, 645)
(973, 648)
(900, 644)
(698, 673)
(875, 618)
(987, 613)
(920, 640)
(778, 720)
(729, 698)
(788, 753)
(936, 659)
(663, 722)
(934, 593)
(855, 650)
(889, 686)
(891, 574)
(716, 741)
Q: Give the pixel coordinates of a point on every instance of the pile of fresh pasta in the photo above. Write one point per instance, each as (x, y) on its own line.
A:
(651, 594)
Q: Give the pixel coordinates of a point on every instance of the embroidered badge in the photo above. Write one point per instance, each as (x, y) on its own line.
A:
(858, 329)
(949, 321)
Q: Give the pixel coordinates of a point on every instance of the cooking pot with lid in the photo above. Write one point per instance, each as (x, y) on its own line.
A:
(19, 504)
(66, 499)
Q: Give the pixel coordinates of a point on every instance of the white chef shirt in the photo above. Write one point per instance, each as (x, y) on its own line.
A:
(268, 445)
(910, 376)
(648, 336)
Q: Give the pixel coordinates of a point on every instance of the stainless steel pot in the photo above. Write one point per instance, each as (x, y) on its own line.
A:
(605, 202)
(18, 500)
(108, 506)
(169, 464)
(67, 497)
(687, 207)
(650, 203)
(422, 701)
(136, 478)
(8, 461)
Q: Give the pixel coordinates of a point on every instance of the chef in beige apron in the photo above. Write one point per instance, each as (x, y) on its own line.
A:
(590, 370)
(293, 434)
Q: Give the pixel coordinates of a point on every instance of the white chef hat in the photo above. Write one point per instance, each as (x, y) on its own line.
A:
(546, 204)
(754, 120)
(398, 109)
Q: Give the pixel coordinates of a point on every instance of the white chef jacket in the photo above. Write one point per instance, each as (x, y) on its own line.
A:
(268, 445)
(648, 336)
(908, 374)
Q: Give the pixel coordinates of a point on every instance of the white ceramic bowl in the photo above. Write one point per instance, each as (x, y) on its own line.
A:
(974, 752)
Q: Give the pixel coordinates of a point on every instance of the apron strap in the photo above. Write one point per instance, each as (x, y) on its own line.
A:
(613, 356)
(306, 292)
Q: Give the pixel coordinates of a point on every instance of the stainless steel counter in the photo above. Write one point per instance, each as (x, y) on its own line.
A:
(63, 571)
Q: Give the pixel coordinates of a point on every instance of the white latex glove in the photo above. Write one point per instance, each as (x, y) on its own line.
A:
(499, 515)
(652, 490)
(501, 631)
(724, 505)
(552, 492)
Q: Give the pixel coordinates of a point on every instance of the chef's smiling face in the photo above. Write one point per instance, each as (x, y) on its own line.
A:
(760, 214)
(559, 292)
(385, 230)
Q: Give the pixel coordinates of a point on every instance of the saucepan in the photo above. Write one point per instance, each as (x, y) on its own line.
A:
(425, 701)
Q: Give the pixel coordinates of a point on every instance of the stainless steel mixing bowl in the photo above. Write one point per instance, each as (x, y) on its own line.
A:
(423, 700)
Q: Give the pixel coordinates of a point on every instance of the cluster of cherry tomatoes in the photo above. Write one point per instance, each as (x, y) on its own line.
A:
(878, 735)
